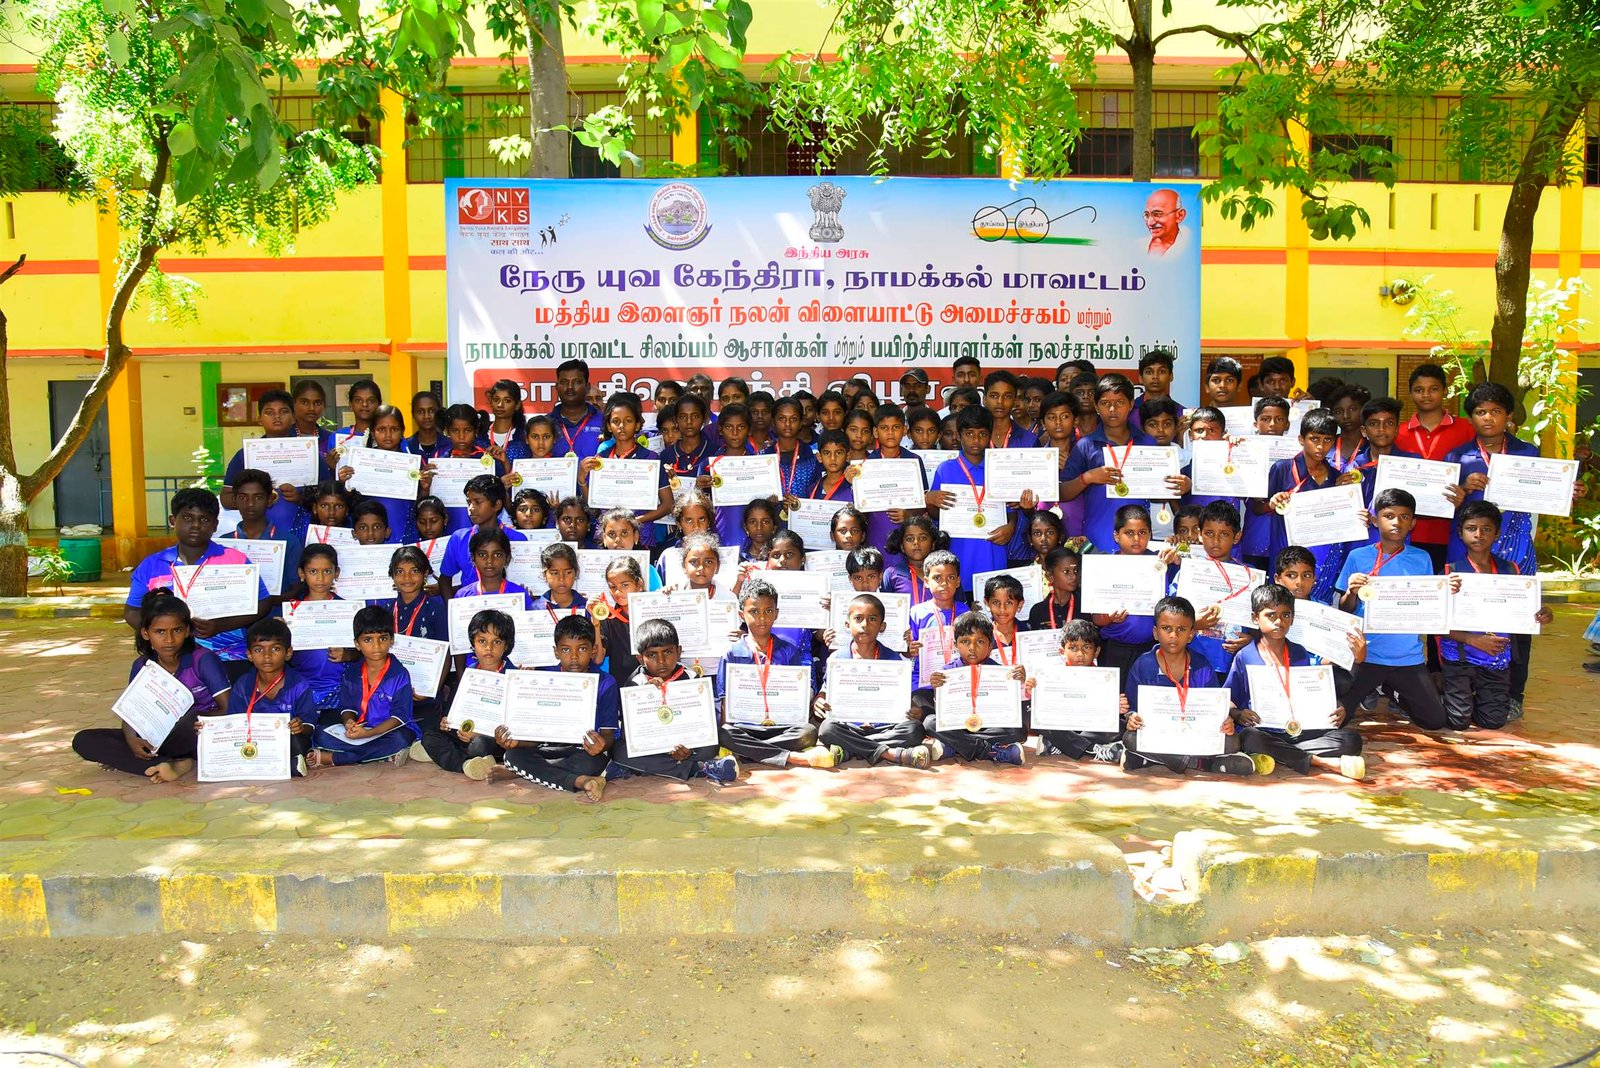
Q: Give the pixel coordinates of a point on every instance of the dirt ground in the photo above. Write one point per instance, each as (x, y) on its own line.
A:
(1393, 998)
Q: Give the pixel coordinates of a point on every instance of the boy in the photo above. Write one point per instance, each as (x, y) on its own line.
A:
(1171, 664)
(889, 428)
(491, 553)
(975, 426)
(276, 416)
(1082, 388)
(1080, 646)
(1068, 370)
(974, 640)
(369, 522)
(1272, 420)
(1000, 397)
(686, 459)
(486, 499)
(923, 426)
(1295, 569)
(759, 405)
(1002, 597)
(271, 686)
(1397, 663)
(792, 746)
(1092, 471)
(1277, 377)
(578, 423)
(559, 563)
(932, 620)
(1433, 434)
(897, 743)
(193, 522)
(1380, 422)
(1479, 669)
(561, 766)
(375, 702)
(494, 636)
(1223, 376)
(1058, 429)
(1155, 378)
(1336, 748)
(1219, 535)
(659, 652)
(1162, 417)
(1305, 473)
(252, 498)
(865, 566)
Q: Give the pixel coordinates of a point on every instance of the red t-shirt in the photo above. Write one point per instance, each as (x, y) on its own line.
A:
(1451, 433)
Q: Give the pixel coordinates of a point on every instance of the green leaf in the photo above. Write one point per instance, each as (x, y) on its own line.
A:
(210, 121)
(118, 9)
(267, 177)
(191, 175)
(349, 11)
(117, 47)
(650, 14)
(718, 55)
(181, 140)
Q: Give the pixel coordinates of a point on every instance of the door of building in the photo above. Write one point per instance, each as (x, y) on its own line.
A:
(83, 487)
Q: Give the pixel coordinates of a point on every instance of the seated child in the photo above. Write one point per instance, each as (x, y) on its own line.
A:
(974, 640)
(1080, 646)
(896, 743)
(658, 653)
(562, 766)
(163, 637)
(375, 704)
(1336, 748)
(493, 635)
(933, 620)
(321, 669)
(777, 746)
(271, 686)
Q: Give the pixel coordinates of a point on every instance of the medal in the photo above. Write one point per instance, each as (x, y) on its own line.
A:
(1230, 469)
(486, 462)
(416, 476)
(466, 725)
(1364, 593)
(783, 514)
(716, 481)
(665, 713)
(853, 472)
(598, 463)
(1292, 728)
(696, 670)
(676, 483)
(600, 610)
(1183, 547)
(1282, 507)
(249, 750)
(1120, 489)
(980, 520)
(1164, 514)
(1356, 476)
(974, 722)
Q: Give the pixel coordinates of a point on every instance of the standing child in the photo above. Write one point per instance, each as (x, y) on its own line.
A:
(162, 636)
(797, 463)
(428, 441)
(687, 459)
(491, 554)
(624, 421)
(899, 742)
(417, 613)
(322, 669)
(734, 426)
(283, 510)
(1155, 378)
(273, 687)
(847, 529)
(923, 428)
(365, 398)
(1433, 434)
(1380, 422)
(330, 507)
(1044, 536)
(530, 510)
(760, 525)
(387, 433)
(615, 644)
(1123, 637)
(1002, 596)
(975, 425)
(1223, 375)
(502, 438)
(462, 423)
(1347, 404)
(1080, 647)
(252, 498)
(574, 523)
(310, 401)
(1093, 471)
(1000, 397)
(1272, 420)
(619, 531)
(375, 702)
(657, 657)
(760, 646)
(1215, 641)
(974, 640)
(858, 434)
(369, 522)
(1208, 424)
(563, 766)
(538, 443)
(913, 541)
(932, 622)
(559, 562)
(486, 499)
(889, 431)
(432, 524)
(1306, 473)
(1058, 421)
(1063, 568)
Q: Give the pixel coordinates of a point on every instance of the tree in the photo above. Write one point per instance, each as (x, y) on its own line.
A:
(1523, 73)
(165, 114)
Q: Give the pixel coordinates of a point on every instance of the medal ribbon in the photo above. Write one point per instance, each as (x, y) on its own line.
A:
(837, 486)
(422, 602)
(1126, 453)
(978, 492)
(1181, 687)
(1072, 604)
(183, 591)
(368, 689)
(764, 661)
(1228, 581)
(250, 707)
(572, 443)
(1000, 649)
(662, 685)
(794, 465)
(1281, 672)
(972, 672)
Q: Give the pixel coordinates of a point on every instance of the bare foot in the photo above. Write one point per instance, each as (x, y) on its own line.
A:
(498, 772)
(592, 789)
(168, 770)
(318, 758)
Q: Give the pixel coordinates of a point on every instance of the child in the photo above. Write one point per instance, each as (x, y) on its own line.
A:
(912, 542)
(687, 459)
(1347, 404)
(1002, 597)
(374, 700)
(559, 562)
(1277, 378)
(1044, 535)
(538, 442)
(848, 528)
(369, 522)
(1031, 395)
(693, 516)
(658, 652)
(1093, 473)
(976, 426)
(252, 498)
(163, 636)
(486, 499)
(923, 426)
(387, 432)
(1186, 523)
(494, 638)
(897, 743)
(1155, 378)
(417, 613)
(1336, 748)
(734, 426)
(330, 507)
(777, 746)
(563, 766)
(1215, 641)
(624, 421)
(1063, 568)
(931, 620)
(760, 525)
(615, 644)
(1479, 668)
(1123, 637)
(283, 512)
(889, 430)
(365, 398)
(502, 438)
(1223, 375)
(1305, 473)
(858, 433)
(1433, 434)
(573, 521)
(322, 669)
(974, 641)
(833, 457)
(1058, 420)
(1170, 664)
(1380, 422)
(530, 510)
(273, 687)
(1272, 420)
(1080, 647)
(1397, 663)
(491, 553)
(433, 523)
(759, 407)
(865, 567)
(797, 463)
(577, 421)
(310, 400)
(831, 408)
(730, 391)
(1208, 424)
(428, 441)
(462, 425)
(1000, 398)
(193, 522)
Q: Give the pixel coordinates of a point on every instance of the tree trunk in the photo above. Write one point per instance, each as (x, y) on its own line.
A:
(547, 94)
(1513, 263)
(13, 508)
(1141, 51)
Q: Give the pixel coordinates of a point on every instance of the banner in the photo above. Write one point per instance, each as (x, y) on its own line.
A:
(801, 283)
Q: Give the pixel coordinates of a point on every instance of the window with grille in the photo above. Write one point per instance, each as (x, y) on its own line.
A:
(771, 153)
(1360, 170)
(42, 163)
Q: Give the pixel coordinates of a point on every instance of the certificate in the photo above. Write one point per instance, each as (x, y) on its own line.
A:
(1423, 479)
(964, 519)
(1276, 446)
(322, 624)
(771, 696)
(266, 554)
(932, 458)
(424, 660)
(868, 691)
(737, 480)
(800, 595)
(1223, 469)
(479, 704)
(1326, 516)
(1037, 648)
(1531, 484)
(1193, 728)
(672, 573)
(657, 721)
(364, 572)
(536, 635)
(1030, 575)
(526, 566)
(685, 610)
(1145, 470)
(1077, 699)
(977, 697)
(155, 701)
(1496, 604)
(1308, 703)
(1325, 632)
(290, 461)
(812, 519)
(433, 549)
(223, 747)
(1112, 582)
(317, 534)
(551, 706)
(633, 484)
(723, 621)
(896, 619)
(1008, 472)
(217, 591)
(554, 476)
(1409, 604)
(462, 609)
(831, 562)
(1239, 420)
(592, 564)
(378, 473)
(1206, 582)
(452, 473)
(886, 484)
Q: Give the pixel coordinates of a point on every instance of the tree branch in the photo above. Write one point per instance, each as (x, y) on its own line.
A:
(5, 276)
(8, 451)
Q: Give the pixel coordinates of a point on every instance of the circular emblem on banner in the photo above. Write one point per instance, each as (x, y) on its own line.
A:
(677, 217)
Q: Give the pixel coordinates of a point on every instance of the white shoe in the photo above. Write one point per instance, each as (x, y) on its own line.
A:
(477, 768)
(935, 749)
(1353, 767)
(419, 752)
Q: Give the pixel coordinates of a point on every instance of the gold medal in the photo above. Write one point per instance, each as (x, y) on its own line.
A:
(600, 610)
(466, 725)
(1230, 469)
(1282, 508)
(249, 750)
(1183, 547)
(1292, 728)
(980, 520)
(676, 483)
(416, 476)
(716, 481)
(1365, 593)
(853, 472)
(696, 670)
(487, 462)
(1355, 475)
(974, 722)
(783, 514)
(598, 463)
(768, 723)
(1120, 489)
(1164, 514)
(665, 713)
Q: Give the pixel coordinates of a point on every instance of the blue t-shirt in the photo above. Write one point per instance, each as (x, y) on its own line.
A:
(457, 562)
(201, 674)
(1146, 671)
(975, 554)
(390, 697)
(156, 572)
(1238, 681)
(929, 623)
(1388, 650)
(1362, 460)
(785, 653)
(293, 695)
(1100, 507)
(581, 437)
(287, 516)
(1457, 651)
(1293, 476)
(426, 617)
(1515, 542)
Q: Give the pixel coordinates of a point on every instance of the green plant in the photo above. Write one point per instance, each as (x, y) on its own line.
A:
(52, 567)
(204, 470)
(1587, 530)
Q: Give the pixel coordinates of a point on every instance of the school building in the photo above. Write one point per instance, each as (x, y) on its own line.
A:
(363, 295)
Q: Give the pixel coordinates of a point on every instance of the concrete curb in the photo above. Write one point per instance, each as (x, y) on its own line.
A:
(60, 608)
(1072, 884)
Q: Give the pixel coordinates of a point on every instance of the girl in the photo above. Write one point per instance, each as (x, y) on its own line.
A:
(788, 554)
(433, 529)
(163, 638)
(693, 515)
(760, 522)
(538, 443)
(322, 669)
(915, 539)
(310, 400)
(734, 427)
(1045, 534)
(503, 437)
(462, 423)
(1124, 638)
(848, 530)
(573, 522)
(330, 508)
(364, 398)
(858, 429)
(797, 464)
(1063, 568)
(387, 431)
(417, 613)
(830, 410)
(624, 419)
(619, 529)
(530, 510)
(428, 441)
(614, 651)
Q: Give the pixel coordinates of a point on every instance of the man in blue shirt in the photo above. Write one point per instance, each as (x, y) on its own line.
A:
(578, 423)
